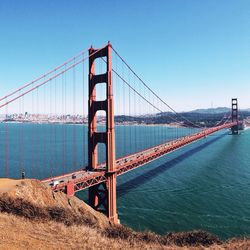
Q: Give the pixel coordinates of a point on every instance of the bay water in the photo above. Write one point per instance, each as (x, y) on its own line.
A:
(205, 185)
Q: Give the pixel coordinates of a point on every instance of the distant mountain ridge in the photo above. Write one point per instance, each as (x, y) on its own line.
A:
(211, 110)
(217, 110)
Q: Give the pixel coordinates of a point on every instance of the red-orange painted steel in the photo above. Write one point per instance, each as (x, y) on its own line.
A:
(70, 189)
(102, 197)
(85, 179)
(101, 178)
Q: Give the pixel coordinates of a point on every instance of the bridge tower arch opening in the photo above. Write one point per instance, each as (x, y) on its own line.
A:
(102, 197)
(235, 116)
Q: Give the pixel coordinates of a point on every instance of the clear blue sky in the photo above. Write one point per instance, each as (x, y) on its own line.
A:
(192, 52)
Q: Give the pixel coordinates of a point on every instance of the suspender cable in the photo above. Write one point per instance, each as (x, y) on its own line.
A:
(19, 138)
(55, 163)
(44, 134)
(6, 143)
(33, 134)
(50, 129)
(65, 123)
(39, 136)
(74, 119)
(124, 112)
(130, 116)
(83, 116)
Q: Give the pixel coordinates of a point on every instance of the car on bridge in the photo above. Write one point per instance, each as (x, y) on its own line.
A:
(54, 183)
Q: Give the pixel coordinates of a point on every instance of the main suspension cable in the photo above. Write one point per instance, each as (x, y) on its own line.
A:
(157, 96)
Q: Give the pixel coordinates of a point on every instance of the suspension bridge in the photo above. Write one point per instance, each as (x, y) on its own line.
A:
(51, 133)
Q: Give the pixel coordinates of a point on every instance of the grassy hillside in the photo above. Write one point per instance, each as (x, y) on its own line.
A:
(32, 217)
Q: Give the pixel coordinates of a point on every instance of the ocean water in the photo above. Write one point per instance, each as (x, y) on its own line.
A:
(205, 185)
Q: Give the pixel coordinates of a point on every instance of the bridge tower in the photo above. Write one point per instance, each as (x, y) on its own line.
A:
(235, 118)
(102, 197)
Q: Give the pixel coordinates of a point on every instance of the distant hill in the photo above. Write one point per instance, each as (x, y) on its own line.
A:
(211, 110)
(218, 110)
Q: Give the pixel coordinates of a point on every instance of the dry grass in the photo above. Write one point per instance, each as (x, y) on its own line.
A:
(29, 210)
(194, 238)
(21, 233)
(25, 234)
(31, 199)
(32, 217)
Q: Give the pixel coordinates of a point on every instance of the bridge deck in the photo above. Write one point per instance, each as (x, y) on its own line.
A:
(83, 179)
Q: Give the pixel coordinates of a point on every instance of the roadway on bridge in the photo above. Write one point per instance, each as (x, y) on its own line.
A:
(83, 179)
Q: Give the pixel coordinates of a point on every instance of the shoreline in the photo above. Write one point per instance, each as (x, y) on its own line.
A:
(171, 125)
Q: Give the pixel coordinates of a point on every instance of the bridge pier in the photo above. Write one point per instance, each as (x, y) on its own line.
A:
(235, 117)
(70, 189)
(102, 196)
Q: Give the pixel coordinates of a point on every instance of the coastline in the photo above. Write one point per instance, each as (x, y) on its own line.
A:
(171, 125)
